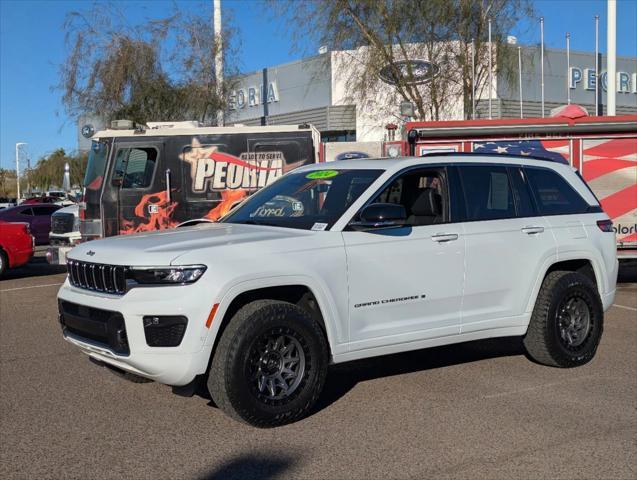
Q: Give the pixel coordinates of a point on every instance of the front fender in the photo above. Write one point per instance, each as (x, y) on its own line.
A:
(335, 328)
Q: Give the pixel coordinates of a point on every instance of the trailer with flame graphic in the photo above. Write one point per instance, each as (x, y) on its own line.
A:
(603, 149)
(155, 178)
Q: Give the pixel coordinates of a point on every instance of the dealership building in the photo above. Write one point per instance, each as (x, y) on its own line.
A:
(315, 90)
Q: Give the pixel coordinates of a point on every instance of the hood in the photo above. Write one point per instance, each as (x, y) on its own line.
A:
(74, 209)
(164, 246)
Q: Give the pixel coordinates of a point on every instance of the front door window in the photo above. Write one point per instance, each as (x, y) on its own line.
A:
(134, 167)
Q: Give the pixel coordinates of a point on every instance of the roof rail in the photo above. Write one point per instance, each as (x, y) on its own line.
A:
(488, 154)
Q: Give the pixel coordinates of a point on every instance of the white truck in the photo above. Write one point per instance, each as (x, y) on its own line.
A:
(347, 260)
(64, 234)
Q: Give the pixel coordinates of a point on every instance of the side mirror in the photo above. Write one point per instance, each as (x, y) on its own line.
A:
(381, 215)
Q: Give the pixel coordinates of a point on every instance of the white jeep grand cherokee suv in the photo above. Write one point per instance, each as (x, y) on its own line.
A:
(341, 261)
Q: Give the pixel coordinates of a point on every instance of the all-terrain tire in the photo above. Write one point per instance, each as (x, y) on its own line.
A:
(231, 380)
(544, 340)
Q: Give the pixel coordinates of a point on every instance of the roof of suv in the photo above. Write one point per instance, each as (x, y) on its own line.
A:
(434, 158)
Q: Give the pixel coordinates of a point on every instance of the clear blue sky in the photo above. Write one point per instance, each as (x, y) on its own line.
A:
(32, 47)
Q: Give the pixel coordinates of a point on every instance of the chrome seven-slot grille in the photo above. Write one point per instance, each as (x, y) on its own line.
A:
(97, 277)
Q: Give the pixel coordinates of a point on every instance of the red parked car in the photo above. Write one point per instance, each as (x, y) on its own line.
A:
(38, 216)
(34, 200)
(16, 245)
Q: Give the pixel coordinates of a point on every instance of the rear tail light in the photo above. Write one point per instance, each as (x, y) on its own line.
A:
(605, 225)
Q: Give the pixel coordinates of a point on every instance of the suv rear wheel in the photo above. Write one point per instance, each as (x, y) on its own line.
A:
(567, 321)
(270, 364)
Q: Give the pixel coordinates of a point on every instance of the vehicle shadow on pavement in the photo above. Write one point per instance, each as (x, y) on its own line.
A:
(37, 267)
(342, 378)
(251, 466)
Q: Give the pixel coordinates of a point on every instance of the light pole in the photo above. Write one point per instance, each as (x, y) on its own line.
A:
(520, 76)
(568, 68)
(611, 58)
(17, 169)
(597, 62)
(542, 60)
(491, 76)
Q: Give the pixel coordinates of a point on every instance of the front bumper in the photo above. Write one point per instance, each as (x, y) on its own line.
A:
(57, 255)
(60, 245)
(170, 365)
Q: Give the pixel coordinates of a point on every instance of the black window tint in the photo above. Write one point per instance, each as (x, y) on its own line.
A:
(27, 211)
(487, 192)
(523, 201)
(423, 195)
(41, 211)
(553, 194)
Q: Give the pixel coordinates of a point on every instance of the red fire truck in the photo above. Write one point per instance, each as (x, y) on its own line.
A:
(603, 149)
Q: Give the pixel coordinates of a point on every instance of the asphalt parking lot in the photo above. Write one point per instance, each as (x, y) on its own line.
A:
(476, 410)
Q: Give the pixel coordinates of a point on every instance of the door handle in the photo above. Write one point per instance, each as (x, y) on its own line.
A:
(532, 230)
(444, 237)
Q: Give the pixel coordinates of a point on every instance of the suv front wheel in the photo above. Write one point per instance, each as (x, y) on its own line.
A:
(270, 364)
(567, 321)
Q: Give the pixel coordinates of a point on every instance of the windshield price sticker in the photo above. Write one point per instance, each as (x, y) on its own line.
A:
(319, 227)
(321, 174)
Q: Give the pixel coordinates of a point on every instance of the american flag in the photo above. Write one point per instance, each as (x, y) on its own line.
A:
(610, 169)
(535, 148)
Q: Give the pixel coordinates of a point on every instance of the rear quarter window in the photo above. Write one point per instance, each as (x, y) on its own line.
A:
(553, 194)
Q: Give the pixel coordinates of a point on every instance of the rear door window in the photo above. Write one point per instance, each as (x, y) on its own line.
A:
(487, 192)
(553, 194)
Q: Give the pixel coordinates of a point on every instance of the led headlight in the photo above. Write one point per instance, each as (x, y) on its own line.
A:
(166, 275)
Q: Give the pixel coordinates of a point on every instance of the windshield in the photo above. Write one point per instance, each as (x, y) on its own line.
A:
(94, 179)
(309, 200)
(96, 166)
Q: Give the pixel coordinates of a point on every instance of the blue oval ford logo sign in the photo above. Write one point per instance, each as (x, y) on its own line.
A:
(421, 72)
